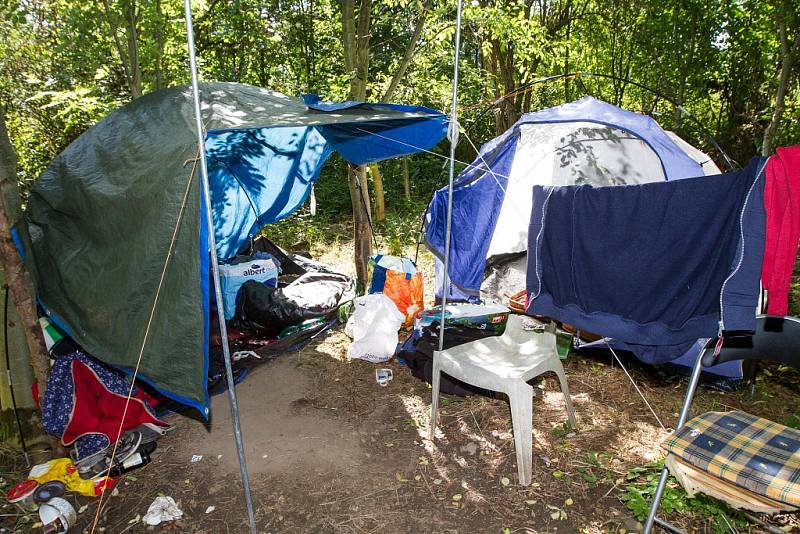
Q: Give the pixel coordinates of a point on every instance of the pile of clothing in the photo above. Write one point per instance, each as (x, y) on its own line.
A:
(108, 424)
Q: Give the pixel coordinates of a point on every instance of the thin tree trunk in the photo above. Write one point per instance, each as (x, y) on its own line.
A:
(377, 179)
(408, 55)
(359, 197)
(130, 64)
(133, 49)
(787, 59)
(158, 80)
(406, 180)
(358, 87)
(17, 277)
(355, 42)
(349, 36)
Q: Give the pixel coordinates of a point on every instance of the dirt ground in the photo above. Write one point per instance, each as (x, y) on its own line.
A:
(329, 450)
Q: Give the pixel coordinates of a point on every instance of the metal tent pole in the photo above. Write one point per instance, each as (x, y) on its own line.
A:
(452, 135)
(237, 431)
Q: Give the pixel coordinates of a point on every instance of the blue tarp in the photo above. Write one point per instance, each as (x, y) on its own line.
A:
(262, 175)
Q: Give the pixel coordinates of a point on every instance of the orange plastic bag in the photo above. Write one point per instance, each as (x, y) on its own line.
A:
(406, 291)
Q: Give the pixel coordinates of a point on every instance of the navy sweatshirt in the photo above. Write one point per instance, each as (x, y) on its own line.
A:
(655, 264)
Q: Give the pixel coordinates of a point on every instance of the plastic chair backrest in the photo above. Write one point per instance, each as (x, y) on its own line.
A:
(776, 339)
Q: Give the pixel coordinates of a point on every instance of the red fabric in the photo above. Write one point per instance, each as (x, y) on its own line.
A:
(782, 204)
(35, 394)
(96, 410)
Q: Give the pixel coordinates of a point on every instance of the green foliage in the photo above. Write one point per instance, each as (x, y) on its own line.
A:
(64, 64)
(642, 482)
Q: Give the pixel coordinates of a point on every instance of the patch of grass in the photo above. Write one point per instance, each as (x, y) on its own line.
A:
(560, 431)
(793, 421)
(639, 494)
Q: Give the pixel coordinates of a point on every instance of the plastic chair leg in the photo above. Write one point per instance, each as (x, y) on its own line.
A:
(562, 380)
(436, 375)
(520, 397)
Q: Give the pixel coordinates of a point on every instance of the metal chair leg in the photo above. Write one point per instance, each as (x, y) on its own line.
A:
(651, 516)
(684, 415)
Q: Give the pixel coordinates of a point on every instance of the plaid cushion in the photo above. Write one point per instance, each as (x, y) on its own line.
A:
(748, 451)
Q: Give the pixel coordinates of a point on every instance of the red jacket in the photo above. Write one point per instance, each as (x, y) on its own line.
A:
(782, 204)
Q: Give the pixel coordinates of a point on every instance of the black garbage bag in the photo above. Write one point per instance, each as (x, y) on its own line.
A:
(417, 351)
(266, 310)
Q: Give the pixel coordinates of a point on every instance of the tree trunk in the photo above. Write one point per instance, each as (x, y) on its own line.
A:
(159, 37)
(355, 42)
(17, 277)
(349, 36)
(408, 55)
(406, 180)
(377, 179)
(130, 58)
(359, 197)
(133, 49)
(787, 59)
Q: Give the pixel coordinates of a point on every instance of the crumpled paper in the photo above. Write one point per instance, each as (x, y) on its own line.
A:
(162, 510)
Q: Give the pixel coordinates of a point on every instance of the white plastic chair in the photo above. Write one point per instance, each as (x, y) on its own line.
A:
(506, 363)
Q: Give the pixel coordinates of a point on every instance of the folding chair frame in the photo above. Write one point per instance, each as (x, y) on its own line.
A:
(662, 482)
(776, 338)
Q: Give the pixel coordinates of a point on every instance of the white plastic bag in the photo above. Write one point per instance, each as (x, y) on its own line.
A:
(376, 321)
(162, 510)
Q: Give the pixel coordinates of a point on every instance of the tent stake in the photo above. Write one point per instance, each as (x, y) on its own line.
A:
(237, 431)
(452, 135)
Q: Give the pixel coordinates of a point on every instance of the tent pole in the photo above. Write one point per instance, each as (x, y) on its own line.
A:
(452, 135)
(237, 431)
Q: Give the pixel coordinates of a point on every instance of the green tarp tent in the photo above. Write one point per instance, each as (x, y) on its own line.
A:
(100, 219)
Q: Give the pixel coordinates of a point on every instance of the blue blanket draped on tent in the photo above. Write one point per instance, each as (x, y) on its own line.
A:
(683, 263)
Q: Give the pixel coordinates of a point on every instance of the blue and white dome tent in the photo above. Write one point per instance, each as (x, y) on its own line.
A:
(587, 141)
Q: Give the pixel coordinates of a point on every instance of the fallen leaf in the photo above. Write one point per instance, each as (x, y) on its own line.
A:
(210, 509)
(464, 484)
(530, 502)
(83, 508)
(569, 501)
(558, 474)
(400, 478)
(437, 481)
(135, 519)
(505, 481)
(457, 497)
(417, 478)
